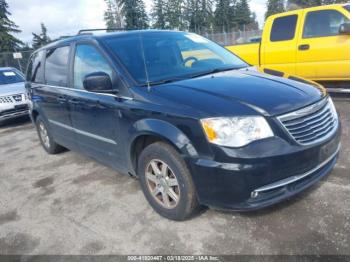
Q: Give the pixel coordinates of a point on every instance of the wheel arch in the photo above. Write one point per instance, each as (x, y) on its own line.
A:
(148, 131)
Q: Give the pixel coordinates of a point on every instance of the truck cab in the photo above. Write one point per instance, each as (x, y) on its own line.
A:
(312, 43)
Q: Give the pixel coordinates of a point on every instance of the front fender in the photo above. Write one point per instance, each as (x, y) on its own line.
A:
(165, 131)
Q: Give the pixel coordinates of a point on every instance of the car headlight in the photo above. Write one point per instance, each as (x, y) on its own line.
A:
(236, 131)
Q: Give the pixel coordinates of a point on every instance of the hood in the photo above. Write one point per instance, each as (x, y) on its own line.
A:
(218, 94)
(12, 89)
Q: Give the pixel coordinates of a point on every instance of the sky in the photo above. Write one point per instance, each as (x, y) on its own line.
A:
(67, 17)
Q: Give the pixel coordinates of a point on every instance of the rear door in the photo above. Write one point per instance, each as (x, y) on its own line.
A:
(50, 75)
(324, 54)
(95, 116)
(279, 43)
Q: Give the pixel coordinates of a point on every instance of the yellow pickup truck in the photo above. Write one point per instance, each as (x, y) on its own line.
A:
(312, 43)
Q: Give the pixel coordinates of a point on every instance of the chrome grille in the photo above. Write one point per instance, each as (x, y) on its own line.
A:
(12, 98)
(312, 124)
(6, 99)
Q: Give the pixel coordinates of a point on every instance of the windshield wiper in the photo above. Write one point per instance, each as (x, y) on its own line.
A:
(164, 81)
(217, 70)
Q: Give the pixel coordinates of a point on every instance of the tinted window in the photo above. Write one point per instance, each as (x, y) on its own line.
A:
(347, 7)
(170, 56)
(56, 66)
(10, 77)
(88, 60)
(35, 71)
(323, 23)
(283, 28)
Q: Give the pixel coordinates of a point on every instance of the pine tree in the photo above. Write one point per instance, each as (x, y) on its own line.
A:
(41, 39)
(243, 15)
(113, 16)
(198, 15)
(274, 7)
(223, 15)
(158, 15)
(135, 14)
(8, 43)
(174, 14)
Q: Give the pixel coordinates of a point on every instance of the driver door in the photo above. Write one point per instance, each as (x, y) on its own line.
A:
(94, 115)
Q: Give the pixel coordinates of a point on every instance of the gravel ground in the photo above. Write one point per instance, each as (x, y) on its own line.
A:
(70, 204)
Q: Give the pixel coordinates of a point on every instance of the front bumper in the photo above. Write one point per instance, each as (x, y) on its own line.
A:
(266, 174)
(10, 111)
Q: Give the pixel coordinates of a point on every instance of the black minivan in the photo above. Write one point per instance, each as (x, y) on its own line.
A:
(197, 125)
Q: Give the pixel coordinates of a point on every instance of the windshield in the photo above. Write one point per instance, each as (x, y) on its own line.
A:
(10, 77)
(156, 57)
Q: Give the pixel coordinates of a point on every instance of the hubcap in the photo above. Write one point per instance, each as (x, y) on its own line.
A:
(162, 184)
(44, 135)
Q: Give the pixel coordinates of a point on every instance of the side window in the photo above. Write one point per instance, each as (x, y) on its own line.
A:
(35, 71)
(347, 7)
(56, 66)
(284, 28)
(323, 23)
(88, 60)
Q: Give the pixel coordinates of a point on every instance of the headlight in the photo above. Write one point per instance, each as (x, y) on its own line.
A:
(236, 131)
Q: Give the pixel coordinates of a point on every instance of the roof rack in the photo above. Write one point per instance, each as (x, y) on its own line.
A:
(89, 31)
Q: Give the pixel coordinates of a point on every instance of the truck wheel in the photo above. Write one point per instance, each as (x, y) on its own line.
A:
(166, 182)
(46, 138)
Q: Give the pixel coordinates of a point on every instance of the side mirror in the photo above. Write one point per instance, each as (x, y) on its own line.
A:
(344, 29)
(98, 82)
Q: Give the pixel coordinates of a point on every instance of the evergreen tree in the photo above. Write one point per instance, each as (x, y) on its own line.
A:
(243, 15)
(41, 39)
(174, 14)
(113, 16)
(199, 15)
(223, 15)
(8, 43)
(135, 14)
(274, 7)
(158, 15)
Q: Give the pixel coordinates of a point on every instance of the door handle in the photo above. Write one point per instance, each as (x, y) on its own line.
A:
(62, 99)
(304, 47)
(74, 101)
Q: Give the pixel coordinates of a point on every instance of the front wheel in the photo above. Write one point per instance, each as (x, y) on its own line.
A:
(166, 182)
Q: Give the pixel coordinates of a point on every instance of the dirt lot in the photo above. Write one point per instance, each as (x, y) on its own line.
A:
(69, 204)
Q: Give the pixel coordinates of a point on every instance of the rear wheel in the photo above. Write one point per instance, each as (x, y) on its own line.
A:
(46, 138)
(166, 182)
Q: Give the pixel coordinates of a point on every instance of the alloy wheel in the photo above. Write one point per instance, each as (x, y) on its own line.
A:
(44, 135)
(162, 184)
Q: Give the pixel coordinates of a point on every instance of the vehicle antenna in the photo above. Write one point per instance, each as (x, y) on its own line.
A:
(144, 63)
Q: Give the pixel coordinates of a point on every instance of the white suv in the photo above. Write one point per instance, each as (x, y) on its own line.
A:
(13, 99)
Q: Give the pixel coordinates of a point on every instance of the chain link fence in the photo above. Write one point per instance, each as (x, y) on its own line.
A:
(235, 38)
(7, 60)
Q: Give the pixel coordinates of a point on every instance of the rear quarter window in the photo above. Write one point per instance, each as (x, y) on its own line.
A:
(283, 28)
(35, 70)
(56, 66)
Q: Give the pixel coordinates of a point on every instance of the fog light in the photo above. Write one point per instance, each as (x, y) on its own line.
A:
(254, 194)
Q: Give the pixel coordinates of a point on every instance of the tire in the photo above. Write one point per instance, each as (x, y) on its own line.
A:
(162, 160)
(47, 140)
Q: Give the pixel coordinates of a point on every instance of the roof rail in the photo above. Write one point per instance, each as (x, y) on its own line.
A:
(89, 31)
